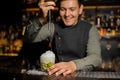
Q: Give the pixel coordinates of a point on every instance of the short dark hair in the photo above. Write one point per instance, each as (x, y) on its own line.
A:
(58, 2)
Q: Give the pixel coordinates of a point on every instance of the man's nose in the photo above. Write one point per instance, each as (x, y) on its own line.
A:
(67, 12)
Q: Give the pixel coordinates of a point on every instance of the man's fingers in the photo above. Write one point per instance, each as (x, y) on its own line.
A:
(67, 72)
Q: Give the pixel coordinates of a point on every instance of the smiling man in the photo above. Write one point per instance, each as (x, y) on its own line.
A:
(75, 42)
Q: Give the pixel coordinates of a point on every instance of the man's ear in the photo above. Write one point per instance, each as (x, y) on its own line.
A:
(81, 9)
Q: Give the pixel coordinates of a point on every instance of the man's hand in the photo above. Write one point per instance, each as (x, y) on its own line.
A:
(64, 68)
(45, 6)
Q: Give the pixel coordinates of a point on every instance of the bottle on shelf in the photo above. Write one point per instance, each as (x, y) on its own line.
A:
(118, 21)
(112, 24)
(98, 21)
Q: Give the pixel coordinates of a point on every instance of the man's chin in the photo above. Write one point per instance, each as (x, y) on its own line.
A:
(68, 24)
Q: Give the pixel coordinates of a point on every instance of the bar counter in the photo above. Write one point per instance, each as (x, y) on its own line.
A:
(16, 75)
(11, 69)
(74, 76)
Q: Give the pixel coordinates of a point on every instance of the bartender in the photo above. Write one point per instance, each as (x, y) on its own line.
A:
(75, 42)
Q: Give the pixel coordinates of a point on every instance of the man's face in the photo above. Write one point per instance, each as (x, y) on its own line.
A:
(70, 11)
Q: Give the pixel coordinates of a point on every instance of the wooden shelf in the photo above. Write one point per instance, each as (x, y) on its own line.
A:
(101, 7)
(85, 7)
(9, 54)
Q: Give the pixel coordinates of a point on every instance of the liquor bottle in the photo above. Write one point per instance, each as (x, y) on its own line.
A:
(112, 20)
(98, 18)
(98, 21)
(118, 21)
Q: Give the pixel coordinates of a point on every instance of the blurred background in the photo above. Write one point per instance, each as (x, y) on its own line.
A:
(15, 14)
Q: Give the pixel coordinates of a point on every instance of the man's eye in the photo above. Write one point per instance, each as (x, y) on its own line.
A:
(72, 9)
(62, 9)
